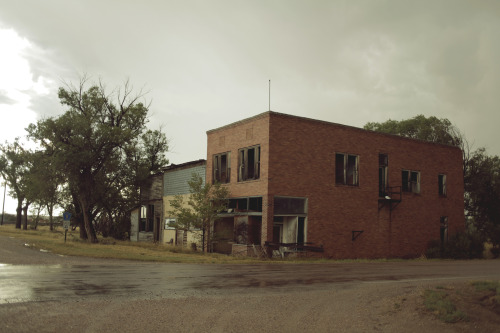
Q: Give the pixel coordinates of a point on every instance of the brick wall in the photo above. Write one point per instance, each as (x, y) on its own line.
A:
(298, 159)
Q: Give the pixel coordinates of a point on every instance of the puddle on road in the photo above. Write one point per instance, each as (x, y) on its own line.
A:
(57, 282)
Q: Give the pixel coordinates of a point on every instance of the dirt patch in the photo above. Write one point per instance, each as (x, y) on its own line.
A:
(481, 307)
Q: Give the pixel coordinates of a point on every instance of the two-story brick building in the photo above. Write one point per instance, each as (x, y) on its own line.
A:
(353, 192)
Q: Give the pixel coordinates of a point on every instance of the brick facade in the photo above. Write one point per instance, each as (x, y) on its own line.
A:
(298, 159)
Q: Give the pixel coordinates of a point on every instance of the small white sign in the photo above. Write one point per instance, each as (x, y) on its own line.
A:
(66, 224)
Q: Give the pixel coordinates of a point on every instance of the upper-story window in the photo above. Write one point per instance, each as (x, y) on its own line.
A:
(383, 166)
(222, 168)
(410, 181)
(249, 163)
(442, 185)
(346, 169)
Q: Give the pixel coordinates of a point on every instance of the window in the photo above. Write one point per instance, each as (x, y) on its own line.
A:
(246, 204)
(221, 168)
(383, 163)
(301, 230)
(169, 224)
(442, 185)
(444, 229)
(249, 163)
(410, 181)
(146, 219)
(346, 169)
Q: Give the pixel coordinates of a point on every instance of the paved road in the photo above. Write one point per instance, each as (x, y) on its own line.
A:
(44, 292)
(132, 280)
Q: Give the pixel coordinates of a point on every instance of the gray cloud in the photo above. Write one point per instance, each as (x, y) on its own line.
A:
(4, 99)
(207, 63)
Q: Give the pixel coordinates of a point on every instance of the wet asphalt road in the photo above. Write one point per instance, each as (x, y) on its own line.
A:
(44, 292)
(149, 281)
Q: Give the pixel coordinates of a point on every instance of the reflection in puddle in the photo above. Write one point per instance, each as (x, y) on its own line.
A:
(37, 283)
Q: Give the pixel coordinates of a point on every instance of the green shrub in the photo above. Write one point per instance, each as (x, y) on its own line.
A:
(438, 302)
(465, 245)
(495, 251)
(487, 286)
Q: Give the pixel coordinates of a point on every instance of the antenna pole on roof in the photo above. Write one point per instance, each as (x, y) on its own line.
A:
(269, 95)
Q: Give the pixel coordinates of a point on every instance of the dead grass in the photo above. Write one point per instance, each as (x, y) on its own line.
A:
(53, 241)
(475, 304)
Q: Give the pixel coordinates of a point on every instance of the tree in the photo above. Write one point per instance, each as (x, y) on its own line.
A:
(205, 203)
(482, 196)
(92, 143)
(430, 129)
(44, 182)
(13, 168)
(154, 146)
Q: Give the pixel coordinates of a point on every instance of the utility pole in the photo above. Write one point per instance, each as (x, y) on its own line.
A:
(269, 95)
(3, 205)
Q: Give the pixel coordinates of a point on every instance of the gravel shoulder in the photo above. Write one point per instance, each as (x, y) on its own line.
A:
(346, 307)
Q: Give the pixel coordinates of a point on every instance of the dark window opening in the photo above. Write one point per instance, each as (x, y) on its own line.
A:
(442, 185)
(410, 181)
(255, 204)
(404, 182)
(238, 204)
(301, 230)
(339, 168)
(249, 163)
(383, 164)
(247, 204)
(277, 233)
(146, 221)
(346, 169)
(221, 168)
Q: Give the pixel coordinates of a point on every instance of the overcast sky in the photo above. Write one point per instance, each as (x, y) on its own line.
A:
(207, 63)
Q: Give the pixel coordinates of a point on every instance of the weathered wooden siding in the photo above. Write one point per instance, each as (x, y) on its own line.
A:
(176, 181)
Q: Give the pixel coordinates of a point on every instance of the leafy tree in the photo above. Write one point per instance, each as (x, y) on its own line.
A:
(154, 146)
(95, 143)
(429, 129)
(482, 196)
(45, 182)
(205, 203)
(13, 168)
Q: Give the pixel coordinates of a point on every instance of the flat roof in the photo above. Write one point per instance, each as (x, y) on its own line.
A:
(279, 114)
(185, 165)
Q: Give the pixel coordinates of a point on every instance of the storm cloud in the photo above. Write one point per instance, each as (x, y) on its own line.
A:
(207, 63)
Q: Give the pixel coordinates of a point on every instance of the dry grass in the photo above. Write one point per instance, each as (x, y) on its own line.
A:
(53, 241)
(109, 248)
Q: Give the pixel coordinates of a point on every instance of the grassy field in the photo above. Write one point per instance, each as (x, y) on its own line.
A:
(53, 241)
